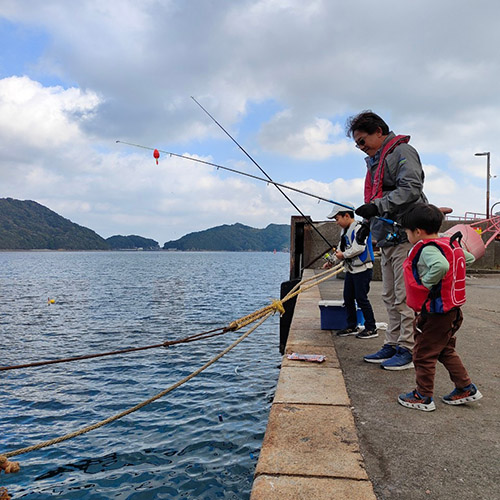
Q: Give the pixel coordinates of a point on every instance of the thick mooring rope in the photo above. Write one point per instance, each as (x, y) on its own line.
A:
(20, 451)
(276, 306)
(262, 314)
(168, 343)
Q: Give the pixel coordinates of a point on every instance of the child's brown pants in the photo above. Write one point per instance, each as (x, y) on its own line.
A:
(435, 341)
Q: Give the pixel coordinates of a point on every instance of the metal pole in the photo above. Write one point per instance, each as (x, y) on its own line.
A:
(487, 154)
(488, 186)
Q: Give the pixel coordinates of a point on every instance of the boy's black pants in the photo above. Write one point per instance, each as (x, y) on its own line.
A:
(356, 288)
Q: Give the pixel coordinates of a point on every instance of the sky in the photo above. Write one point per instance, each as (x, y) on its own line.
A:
(281, 76)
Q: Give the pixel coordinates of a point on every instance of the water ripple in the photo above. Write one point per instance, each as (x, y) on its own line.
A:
(199, 442)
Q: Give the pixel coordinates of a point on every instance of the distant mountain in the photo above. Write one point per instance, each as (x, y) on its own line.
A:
(132, 242)
(27, 225)
(235, 238)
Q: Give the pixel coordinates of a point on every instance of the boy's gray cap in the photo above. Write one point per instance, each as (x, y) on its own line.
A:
(339, 208)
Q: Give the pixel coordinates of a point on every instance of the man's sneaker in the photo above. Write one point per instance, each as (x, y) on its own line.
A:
(367, 334)
(414, 400)
(347, 331)
(402, 360)
(387, 352)
(461, 396)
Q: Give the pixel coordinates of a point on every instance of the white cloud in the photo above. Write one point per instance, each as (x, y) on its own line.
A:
(127, 70)
(444, 191)
(42, 117)
(437, 182)
(318, 140)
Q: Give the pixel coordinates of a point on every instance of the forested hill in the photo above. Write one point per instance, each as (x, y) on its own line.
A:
(235, 238)
(132, 242)
(27, 225)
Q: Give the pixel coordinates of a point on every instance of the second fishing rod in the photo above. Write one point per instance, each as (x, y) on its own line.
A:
(320, 234)
(234, 171)
(251, 176)
(267, 181)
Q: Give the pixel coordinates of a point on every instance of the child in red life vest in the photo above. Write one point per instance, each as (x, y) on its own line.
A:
(434, 273)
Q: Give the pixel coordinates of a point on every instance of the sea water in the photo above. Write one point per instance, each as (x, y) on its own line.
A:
(200, 441)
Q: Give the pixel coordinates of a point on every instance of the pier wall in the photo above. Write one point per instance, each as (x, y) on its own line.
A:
(311, 448)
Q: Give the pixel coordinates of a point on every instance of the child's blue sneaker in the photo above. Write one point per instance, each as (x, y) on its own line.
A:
(387, 352)
(414, 400)
(461, 396)
(402, 360)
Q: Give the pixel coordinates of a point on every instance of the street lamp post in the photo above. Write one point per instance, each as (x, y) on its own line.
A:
(487, 154)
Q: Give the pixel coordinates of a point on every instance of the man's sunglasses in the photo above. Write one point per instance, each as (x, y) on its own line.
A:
(361, 143)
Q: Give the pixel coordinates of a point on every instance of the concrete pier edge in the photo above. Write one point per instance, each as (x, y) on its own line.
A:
(311, 447)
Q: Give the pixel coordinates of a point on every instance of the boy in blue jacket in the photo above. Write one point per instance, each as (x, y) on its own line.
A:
(355, 250)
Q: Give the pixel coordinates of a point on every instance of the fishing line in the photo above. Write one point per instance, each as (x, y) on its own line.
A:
(263, 171)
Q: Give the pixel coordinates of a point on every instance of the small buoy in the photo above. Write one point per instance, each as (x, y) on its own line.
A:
(156, 155)
(50, 301)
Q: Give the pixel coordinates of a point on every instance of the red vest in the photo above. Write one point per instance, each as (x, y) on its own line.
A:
(374, 188)
(450, 291)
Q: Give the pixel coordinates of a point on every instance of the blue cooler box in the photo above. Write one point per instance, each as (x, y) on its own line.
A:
(334, 316)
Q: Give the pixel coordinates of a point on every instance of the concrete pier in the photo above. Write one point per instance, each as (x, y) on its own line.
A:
(336, 431)
(311, 447)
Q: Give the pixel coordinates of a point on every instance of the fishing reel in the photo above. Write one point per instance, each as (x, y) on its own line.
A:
(393, 237)
(329, 258)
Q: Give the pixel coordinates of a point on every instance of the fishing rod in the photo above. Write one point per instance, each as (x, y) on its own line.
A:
(267, 181)
(391, 237)
(239, 172)
(268, 177)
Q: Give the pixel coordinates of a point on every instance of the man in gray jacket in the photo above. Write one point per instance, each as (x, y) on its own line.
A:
(394, 181)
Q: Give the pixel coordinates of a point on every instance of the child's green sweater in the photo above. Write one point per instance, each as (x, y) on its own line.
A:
(433, 265)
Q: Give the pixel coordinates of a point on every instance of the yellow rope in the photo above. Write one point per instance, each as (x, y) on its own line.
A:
(262, 314)
(329, 274)
(277, 305)
(8, 467)
(89, 428)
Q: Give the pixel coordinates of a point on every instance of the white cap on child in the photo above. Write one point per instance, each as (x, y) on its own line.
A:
(340, 208)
